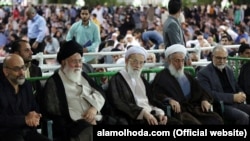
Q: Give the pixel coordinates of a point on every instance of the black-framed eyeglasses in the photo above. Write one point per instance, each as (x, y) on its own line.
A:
(17, 69)
(220, 58)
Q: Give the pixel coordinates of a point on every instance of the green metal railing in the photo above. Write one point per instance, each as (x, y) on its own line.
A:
(235, 63)
(98, 75)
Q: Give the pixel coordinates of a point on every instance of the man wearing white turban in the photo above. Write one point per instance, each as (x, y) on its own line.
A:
(189, 102)
(130, 94)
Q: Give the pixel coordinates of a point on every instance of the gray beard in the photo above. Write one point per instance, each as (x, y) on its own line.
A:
(20, 81)
(174, 72)
(220, 67)
(73, 75)
(134, 73)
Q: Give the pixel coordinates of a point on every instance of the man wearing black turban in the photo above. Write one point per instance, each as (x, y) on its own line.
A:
(71, 98)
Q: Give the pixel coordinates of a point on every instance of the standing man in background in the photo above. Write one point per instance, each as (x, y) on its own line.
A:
(86, 33)
(36, 31)
(172, 31)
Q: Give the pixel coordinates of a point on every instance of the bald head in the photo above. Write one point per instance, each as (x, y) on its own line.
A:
(14, 69)
(12, 60)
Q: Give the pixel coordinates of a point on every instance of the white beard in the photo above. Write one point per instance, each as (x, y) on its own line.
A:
(176, 73)
(133, 73)
(20, 81)
(220, 67)
(73, 74)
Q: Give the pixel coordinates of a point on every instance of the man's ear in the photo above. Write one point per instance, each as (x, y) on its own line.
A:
(5, 72)
(63, 62)
(167, 60)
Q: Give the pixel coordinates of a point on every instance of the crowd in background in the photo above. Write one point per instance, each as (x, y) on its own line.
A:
(203, 26)
(75, 102)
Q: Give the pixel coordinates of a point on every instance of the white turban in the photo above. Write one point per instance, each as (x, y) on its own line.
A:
(136, 50)
(175, 48)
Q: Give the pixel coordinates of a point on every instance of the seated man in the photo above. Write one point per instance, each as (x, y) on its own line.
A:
(23, 48)
(130, 94)
(244, 52)
(72, 99)
(19, 115)
(244, 79)
(189, 102)
(218, 79)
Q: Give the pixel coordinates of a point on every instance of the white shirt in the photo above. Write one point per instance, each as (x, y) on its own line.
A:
(139, 91)
(80, 97)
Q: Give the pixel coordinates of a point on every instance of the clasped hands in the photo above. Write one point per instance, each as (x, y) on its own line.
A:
(240, 97)
(89, 115)
(32, 119)
(151, 119)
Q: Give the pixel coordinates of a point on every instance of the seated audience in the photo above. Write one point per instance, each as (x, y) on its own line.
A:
(19, 113)
(190, 103)
(52, 47)
(218, 79)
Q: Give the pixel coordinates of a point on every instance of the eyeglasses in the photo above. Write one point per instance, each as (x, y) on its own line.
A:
(17, 69)
(178, 60)
(134, 61)
(220, 58)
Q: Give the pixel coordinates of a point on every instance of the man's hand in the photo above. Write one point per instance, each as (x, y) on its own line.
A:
(175, 105)
(163, 119)
(32, 119)
(239, 97)
(89, 115)
(35, 45)
(205, 106)
(150, 118)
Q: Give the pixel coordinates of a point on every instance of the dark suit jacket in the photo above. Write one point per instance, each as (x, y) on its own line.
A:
(210, 81)
(244, 80)
(36, 71)
(14, 107)
(172, 32)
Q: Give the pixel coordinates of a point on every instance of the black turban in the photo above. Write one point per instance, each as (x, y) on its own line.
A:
(67, 49)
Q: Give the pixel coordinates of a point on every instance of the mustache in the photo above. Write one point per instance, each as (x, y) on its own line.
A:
(21, 77)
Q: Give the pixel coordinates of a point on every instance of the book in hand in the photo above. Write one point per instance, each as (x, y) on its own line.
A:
(88, 43)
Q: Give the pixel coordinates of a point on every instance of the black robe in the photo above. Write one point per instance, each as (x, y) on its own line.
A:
(244, 80)
(166, 86)
(123, 102)
(55, 107)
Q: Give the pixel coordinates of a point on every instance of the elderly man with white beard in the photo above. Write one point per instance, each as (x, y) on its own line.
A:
(218, 79)
(130, 94)
(189, 102)
(71, 98)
